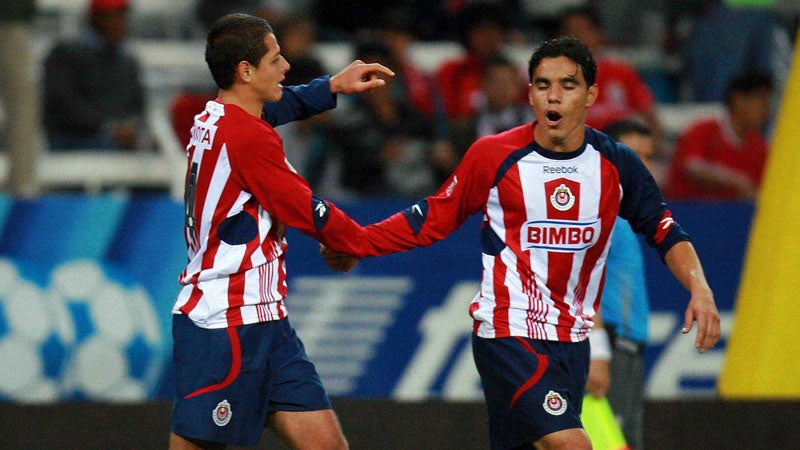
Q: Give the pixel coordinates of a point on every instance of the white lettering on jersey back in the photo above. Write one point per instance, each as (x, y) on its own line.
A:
(203, 131)
(203, 135)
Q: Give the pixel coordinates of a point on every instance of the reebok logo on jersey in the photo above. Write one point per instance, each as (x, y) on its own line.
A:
(559, 169)
(320, 211)
(451, 186)
(560, 236)
(416, 214)
(664, 226)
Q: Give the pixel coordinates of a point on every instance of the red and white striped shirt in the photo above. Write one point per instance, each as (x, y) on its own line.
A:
(548, 218)
(241, 193)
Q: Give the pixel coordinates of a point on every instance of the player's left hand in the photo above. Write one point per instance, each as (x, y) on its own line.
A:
(360, 77)
(702, 309)
(338, 262)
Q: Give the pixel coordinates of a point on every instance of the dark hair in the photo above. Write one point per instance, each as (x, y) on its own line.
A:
(232, 39)
(625, 127)
(747, 82)
(567, 46)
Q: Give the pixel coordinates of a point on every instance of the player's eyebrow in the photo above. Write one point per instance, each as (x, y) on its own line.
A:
(569, 79)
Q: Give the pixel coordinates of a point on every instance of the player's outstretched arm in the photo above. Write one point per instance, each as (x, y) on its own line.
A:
(360, 77)
(682, 260)
(338, 262)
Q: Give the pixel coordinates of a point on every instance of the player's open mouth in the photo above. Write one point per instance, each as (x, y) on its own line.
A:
(553, 118)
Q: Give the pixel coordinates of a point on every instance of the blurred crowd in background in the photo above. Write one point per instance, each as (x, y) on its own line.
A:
(87, 89)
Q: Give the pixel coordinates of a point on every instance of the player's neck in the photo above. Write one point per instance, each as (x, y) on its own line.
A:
(250, 104)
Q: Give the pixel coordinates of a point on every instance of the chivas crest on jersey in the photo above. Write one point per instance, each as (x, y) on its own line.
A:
(562, 198)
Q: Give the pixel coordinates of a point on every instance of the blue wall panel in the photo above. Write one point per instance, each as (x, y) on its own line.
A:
(87, 284)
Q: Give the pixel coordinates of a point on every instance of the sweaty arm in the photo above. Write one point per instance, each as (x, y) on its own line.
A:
(645, 209)
(684, 264)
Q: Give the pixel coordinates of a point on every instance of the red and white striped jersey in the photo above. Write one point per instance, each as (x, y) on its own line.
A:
(548, 217)
(240, 195)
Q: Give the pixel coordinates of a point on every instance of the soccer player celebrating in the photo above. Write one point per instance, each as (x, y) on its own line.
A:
(238, 362)
(549, 192)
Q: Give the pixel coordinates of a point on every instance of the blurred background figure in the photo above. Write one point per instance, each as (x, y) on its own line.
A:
(19, 98)
(208, 11)
(299, 36)
(483, 30)
(395, 29)
(718, 39)
(381, 138)
(625, 307)
(723, 157)
(301, 139)
(419, 87)
(93, 91)
(502, 105)
(340, 20)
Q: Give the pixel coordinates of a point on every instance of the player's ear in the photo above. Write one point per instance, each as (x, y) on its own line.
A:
(592, 95)
(530, 94)
(244, 70)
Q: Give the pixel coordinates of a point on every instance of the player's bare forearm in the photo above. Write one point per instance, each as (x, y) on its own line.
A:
(360, 77)
(599, 379)
(684, 264)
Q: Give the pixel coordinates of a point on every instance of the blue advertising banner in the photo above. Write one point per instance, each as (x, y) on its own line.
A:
(87, 284)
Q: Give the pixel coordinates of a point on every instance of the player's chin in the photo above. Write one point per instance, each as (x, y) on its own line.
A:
(275, 94)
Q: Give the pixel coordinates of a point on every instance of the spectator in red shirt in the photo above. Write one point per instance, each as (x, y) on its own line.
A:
(723, 157)
(483, 32)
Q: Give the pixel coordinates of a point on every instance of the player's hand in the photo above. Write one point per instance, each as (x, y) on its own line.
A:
(703, 310)
(360, 77)
(338, 262)
(599, 378)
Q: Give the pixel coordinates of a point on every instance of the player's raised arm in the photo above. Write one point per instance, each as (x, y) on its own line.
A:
(303, 101)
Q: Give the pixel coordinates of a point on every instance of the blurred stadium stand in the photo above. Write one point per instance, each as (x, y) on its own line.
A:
(172, 57)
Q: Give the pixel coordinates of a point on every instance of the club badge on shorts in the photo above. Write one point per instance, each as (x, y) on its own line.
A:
(554, 403)
(222, 413)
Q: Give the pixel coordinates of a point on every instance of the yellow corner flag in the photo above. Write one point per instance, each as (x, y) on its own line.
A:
(761, 358)
(601, 425)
